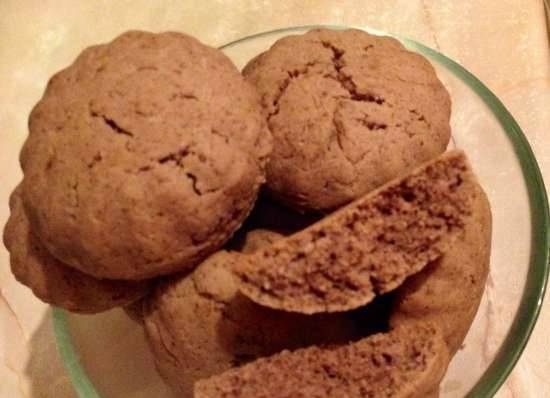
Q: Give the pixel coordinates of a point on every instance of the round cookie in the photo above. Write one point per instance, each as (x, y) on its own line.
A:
(52, 281)
(199, 325)
(348, 111)
(144, 156)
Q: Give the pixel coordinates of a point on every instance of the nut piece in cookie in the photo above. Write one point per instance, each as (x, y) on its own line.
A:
(52, 281)
(144, 156)
(449, 290)
(199, 325)
(348, 112)
(408, 362)
(368, 247)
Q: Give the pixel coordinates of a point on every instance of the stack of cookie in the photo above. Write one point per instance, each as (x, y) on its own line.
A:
(143, 157)
(142, 170)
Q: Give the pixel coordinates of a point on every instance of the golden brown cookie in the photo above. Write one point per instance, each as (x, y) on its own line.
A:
(449, 290)
(368, 247)
(408, 362)
(143, 157)
(199, 325)
(348, 111)
(52, 281)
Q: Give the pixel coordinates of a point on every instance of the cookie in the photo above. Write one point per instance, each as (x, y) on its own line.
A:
(52, 281)
(199, 325)
(368, 247)
(408, 362)
(144, 156)
(449, 290)
(348, 111)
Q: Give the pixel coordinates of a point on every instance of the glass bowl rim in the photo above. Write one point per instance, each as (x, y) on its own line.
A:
(539, 264)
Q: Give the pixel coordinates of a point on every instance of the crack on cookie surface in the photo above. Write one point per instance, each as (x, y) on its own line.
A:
(181, 95)
(75, 200)
(345, 80)
(111, 124)
(175, 157)
(416, 115)
(98, 157)
(214, 131)
(193, 178)
(292, 75)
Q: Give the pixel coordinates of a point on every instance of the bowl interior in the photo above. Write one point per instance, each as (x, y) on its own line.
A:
(107, 355)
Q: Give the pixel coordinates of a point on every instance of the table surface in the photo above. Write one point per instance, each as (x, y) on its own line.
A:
(504, 42)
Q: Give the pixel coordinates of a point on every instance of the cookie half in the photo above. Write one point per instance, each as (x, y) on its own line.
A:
(408, 362)
(368, 247)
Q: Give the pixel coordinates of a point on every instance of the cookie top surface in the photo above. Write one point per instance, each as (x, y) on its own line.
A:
(348, 111)
(51, 280)
(143, 156)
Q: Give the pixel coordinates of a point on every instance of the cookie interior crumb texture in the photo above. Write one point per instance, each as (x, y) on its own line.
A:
(348, 112)
(368, 247)
(143, 157)
(408, 362)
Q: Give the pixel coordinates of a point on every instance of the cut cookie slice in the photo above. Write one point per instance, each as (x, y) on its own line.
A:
(408, 362)
(368, 247)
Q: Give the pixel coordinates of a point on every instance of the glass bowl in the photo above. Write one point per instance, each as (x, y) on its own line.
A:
(106, 355)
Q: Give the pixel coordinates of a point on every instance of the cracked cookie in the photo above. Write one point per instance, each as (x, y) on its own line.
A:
(144, 156)
(408, 362)
(199, 325)
(348, 111)
(368, 247)
(52, 281)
